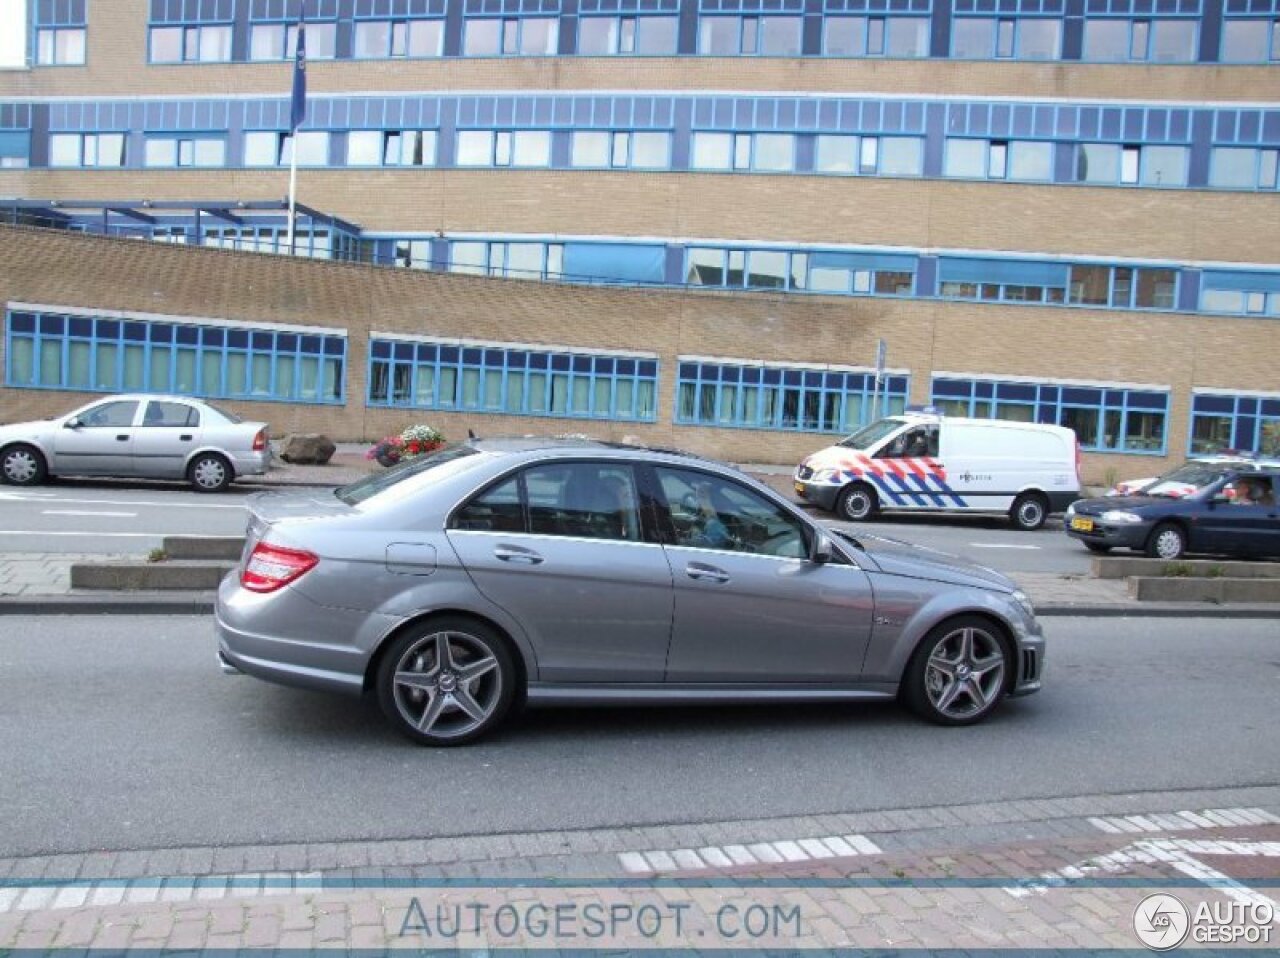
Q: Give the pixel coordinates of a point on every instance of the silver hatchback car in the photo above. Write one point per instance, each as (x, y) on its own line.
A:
(457, 586)
(137, 436)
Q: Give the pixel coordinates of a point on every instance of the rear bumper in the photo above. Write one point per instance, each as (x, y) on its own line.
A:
(251, 463)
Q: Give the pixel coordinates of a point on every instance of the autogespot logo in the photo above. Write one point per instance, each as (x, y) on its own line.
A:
(1161, 922)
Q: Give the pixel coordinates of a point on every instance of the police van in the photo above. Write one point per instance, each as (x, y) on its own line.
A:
(923, 461)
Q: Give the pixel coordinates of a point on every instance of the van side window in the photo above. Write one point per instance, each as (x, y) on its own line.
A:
(912, 444)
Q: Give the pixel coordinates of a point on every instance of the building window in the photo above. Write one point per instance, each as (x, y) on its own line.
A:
(87, 149)
(279, 41)
(166, 150)
(528, 148)
(378, 39)
(818, 271)
(112, 355)
(627, 36)
(15, 149)
(391, 148)
(507, 259)
(1021, 38)
(1235, 421)
(1104, 419)
(199, 43)
(1123, 287)
(1131, 165)
(1157, 41)
(875, 36)
(1022, 160)
(1240, 294)
(60, 47)
(869, 155)
(760, 152)
(1250, 41)
(778, 397)
(515, 36)
(603, 149)
(275, 148)
(506, 379)
(1243, 168)
(1001, 280)
(770, 36)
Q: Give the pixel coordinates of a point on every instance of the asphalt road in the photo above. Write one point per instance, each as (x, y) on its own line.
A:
(131, 518)
(120, 733)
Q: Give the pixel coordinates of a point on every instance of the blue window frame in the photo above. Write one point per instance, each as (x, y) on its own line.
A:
(1239, 421)
(848, 155)
(831, 272)
(1027, 161)
(88, 354)
(647, 34)
(1006, 38)
(278, 39)
(1250, 39)
(190, 31)
(1105, 419)
(506, 379)
(391, 147)
(766, 396)
(60, 28)
(88, 149)
(620, 149)
(875, 36)
(1156, 39)
(1000, 280)
(517, 148)
(421, 35)
(15, 149)
(1244, 168)
(189, 149)
(1240, 293)
(510, 37)
(755, 152)
(512, 259)
(771, 35)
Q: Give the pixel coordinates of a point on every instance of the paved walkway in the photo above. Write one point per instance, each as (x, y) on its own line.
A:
(1066, 873)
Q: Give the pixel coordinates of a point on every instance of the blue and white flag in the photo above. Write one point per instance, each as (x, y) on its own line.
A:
(298, 110)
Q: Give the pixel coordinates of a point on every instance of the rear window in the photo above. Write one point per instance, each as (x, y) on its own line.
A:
(364, 489)
(228, 416)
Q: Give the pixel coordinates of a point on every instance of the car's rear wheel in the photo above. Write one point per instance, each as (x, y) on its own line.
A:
(1029, 511)
(23, 465)
(959, 673)
(857, 502)
(210, 472)
(1167, 541)
(1097, 547)
(446, 682)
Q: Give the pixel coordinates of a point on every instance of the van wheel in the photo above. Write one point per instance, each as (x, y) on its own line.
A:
(857, 503)
(1029, 511)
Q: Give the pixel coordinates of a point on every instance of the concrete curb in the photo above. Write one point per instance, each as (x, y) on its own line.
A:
(128, 603)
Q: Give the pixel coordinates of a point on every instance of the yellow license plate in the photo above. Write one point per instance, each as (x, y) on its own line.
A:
(1082, 525)
(800, 488)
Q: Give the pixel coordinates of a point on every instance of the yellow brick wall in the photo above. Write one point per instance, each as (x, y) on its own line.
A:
(64, 269)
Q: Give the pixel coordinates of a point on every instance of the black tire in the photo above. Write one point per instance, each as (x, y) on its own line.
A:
(1097, 547)
(1167, 541)
(857, 502)
(408, 706)
(920, 682)
(210, 472)
(1029, 511)
(23, 465)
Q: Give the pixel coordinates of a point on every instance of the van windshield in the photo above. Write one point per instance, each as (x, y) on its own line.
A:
(869, 435)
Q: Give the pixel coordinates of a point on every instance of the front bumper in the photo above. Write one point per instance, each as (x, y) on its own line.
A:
(821, 494)
(1129, 535)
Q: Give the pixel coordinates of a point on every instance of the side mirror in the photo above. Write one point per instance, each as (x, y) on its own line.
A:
(72, 423)
(823, 551)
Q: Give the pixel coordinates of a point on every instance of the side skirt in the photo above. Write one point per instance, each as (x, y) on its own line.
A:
(542, 693)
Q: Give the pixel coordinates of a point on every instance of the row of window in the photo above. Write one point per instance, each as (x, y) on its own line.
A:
(109, 355)
(1243, 168)
(1103, 39)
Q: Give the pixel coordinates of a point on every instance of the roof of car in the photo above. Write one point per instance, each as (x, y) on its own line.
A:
(513, 444)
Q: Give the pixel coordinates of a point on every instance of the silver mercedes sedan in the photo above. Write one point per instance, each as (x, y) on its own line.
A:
(137, 436)
(457, 586)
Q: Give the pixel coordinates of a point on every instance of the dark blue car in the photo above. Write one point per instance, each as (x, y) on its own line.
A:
(1221, 511)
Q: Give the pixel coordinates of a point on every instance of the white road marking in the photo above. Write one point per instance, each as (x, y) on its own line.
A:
(70, 500)
(1185, 821)
(87, 512)
(729, 856)
(105, 535)
(1001, 545)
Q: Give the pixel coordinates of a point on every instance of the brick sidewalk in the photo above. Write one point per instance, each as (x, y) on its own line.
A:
(1064, 873)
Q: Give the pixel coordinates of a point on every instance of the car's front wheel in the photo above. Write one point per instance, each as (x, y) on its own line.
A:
(1097, 547)
(23, 465)
(959, 673)
(1167, 542)
(446, 682)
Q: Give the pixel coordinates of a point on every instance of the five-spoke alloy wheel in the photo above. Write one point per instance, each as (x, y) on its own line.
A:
(446, 682)
(959, 673)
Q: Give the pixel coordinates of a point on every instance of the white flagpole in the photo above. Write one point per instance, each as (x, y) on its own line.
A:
(293, 185)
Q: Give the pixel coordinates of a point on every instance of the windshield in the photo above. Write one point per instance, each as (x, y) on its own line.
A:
(1184, 480)
(370, 486)
(869, 435)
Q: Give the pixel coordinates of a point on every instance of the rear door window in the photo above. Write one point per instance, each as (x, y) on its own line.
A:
(170, 414)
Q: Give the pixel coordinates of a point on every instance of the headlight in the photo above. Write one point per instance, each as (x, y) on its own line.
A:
(1024, 600)
(1120, 516)
(1071, 510)
(824, 475)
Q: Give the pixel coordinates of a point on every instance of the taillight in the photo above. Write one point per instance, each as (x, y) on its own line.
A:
(260, 440)
(272, 567)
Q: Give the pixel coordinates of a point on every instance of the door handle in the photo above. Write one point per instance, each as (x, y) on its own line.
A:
(185, 438)
(517, 555)
(703, 572)
(124, 438)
